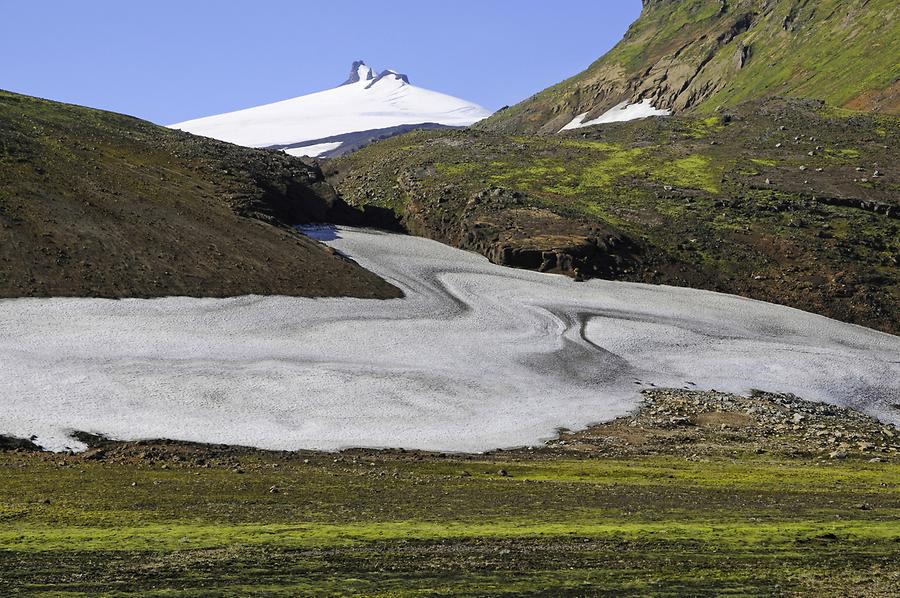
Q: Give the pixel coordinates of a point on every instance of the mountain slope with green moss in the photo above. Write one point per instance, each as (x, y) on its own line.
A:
(785, 201)
(697, 55)
(96, 204)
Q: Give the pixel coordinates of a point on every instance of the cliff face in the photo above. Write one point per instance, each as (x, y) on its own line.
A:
(697, 55)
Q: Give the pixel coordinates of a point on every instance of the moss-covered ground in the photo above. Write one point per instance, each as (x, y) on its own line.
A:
(785, 201)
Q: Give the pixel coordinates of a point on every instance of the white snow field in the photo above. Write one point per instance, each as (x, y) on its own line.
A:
(619, 113)
(366, 102)
(475, 357)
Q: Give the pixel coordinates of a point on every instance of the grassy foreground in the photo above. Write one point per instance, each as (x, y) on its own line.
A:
(174, 520)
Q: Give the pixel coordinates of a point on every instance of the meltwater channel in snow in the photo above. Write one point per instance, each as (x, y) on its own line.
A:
(475, 357)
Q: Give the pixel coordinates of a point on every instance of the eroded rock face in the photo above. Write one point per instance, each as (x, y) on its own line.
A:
(581, 257)
(504, 226)
(680, 76)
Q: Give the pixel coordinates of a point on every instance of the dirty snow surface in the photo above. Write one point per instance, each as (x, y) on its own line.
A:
(475, 357)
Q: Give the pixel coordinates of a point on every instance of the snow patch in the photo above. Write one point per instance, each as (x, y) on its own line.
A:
(475, 357)
(619, 113)
(314, 151)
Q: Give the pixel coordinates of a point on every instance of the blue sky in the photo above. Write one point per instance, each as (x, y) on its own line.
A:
(169, 60)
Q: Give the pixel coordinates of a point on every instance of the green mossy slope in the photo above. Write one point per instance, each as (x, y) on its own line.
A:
(781, 200)
(697, 55)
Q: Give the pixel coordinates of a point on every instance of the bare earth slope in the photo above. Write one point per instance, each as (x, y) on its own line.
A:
(697, 55)
(96, 204)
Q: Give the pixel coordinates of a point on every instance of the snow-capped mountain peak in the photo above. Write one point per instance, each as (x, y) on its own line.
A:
(365, 108)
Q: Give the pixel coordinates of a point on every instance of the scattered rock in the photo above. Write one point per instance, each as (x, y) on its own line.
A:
(95, 454)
